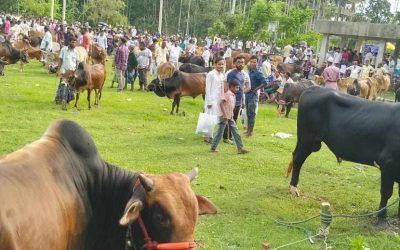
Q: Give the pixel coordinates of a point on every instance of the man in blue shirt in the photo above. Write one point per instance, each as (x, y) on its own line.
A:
(244, 80)
(257, 81)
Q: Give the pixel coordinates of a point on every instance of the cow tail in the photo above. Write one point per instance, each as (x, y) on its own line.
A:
(290, 169)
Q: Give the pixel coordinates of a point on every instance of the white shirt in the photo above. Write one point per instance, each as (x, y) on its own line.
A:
(174, 53)
(289, 59)
(143, 58)
(337, 57)
(69, 58)
(47, 39)
(266, 68)
(228, 53)
(102, 41)
(206, 56)
(214, 91)
(355, 71)
(161, 55)
(240, 45)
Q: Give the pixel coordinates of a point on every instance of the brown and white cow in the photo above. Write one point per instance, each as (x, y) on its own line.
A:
(58, 193)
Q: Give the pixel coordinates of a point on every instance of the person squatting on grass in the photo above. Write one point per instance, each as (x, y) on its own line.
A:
(227, 105)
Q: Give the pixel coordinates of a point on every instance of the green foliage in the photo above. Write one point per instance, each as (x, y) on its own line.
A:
(291, 24)
(312, 38)
(218, 29)
(38, 7)
(378, 11)
(108, 11)
(358, 243)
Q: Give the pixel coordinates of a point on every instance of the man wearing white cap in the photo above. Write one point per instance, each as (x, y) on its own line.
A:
(331, 75)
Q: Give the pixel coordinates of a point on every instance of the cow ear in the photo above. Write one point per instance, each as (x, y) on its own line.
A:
(131, 213)
(205, 206)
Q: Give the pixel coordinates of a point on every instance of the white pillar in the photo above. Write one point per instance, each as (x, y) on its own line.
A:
(233, 7)
(187, 21)
(64, 10)
(160, 16)
(324, 49)
(358, 44)
(381, 51)
(52, 10)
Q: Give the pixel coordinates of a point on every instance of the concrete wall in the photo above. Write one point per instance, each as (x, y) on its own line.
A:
(353, 29)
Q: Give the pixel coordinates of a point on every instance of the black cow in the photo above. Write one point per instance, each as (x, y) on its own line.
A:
(180, 84)
(354, 129)
(198, 60)
(11, 54)
(193, 68)
(58, 193)
(2, 63)
(291, 94)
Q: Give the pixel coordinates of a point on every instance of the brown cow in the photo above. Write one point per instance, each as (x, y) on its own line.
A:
(24, 44)
(292, 68)
(58, 193)
(180, 84)
(97, 54)
(11, 54)
(88, 77)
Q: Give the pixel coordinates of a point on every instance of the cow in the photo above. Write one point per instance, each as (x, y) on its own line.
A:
(2, 63)
(189, 58)
(165, 70)
(180, 84)
(354, 129)
(32, 52)
(292, 68)
(291, 94)
(58, 193)
(193, 68)
(97, 54)
(88, 77)
(11, 54)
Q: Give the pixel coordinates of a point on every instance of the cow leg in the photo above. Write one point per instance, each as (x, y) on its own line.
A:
(300, 154)
(289, 105)
(178, 101)
(76, 99)
(96, 97)
(173, 107)
(387, 183)
(88, 98)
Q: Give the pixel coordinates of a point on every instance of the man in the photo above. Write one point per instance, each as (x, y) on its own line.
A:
(68, 36)
(144, 62)
(354, 70)
(46, 44)
(368, 56)
(257, 81)
(228, 52)
(266, 65)
(86, 40)
(367, 70)
(206, 56)
(244, 80)
(331, 75)
(161, 53)
(287, 50)
(69, 57)
(290, 59)
(174, 53)
(337, 57)
(121, 63)
(102, 40)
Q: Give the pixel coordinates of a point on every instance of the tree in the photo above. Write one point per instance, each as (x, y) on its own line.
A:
(217, 29)
(378, 11)
(105, 10)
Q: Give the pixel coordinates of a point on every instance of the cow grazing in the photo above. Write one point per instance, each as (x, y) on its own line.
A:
(88, 77)
(97, 54)
(291, 94)
(354, 129)
(193, 68)
(180, 84)
(58, 193)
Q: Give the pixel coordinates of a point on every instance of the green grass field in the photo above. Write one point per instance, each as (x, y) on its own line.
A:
(135, 131)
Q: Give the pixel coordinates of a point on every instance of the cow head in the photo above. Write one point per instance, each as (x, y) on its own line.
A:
(23, 55)
(167, 205)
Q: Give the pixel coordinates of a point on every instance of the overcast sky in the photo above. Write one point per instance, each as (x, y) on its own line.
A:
(393, 2)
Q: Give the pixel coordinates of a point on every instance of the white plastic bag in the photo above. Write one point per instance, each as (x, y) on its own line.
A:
(243, 116)
(206, 124)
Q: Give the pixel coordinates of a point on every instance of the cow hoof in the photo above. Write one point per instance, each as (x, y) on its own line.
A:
(294, 191)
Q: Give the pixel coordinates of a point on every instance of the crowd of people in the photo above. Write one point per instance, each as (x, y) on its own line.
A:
(135, 54)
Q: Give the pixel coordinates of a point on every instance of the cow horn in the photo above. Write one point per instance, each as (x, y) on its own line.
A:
(192, 174)
(147, 183)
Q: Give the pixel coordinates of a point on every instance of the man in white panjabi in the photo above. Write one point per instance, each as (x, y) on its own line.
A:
(214, 89)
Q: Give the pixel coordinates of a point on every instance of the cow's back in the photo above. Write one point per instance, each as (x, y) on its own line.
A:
(361, 127)
(43, 196)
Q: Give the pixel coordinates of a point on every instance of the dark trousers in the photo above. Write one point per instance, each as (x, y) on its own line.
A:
(227, 132)
(142, 77)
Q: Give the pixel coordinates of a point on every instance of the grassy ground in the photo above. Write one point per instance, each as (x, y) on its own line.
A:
(135, 131)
